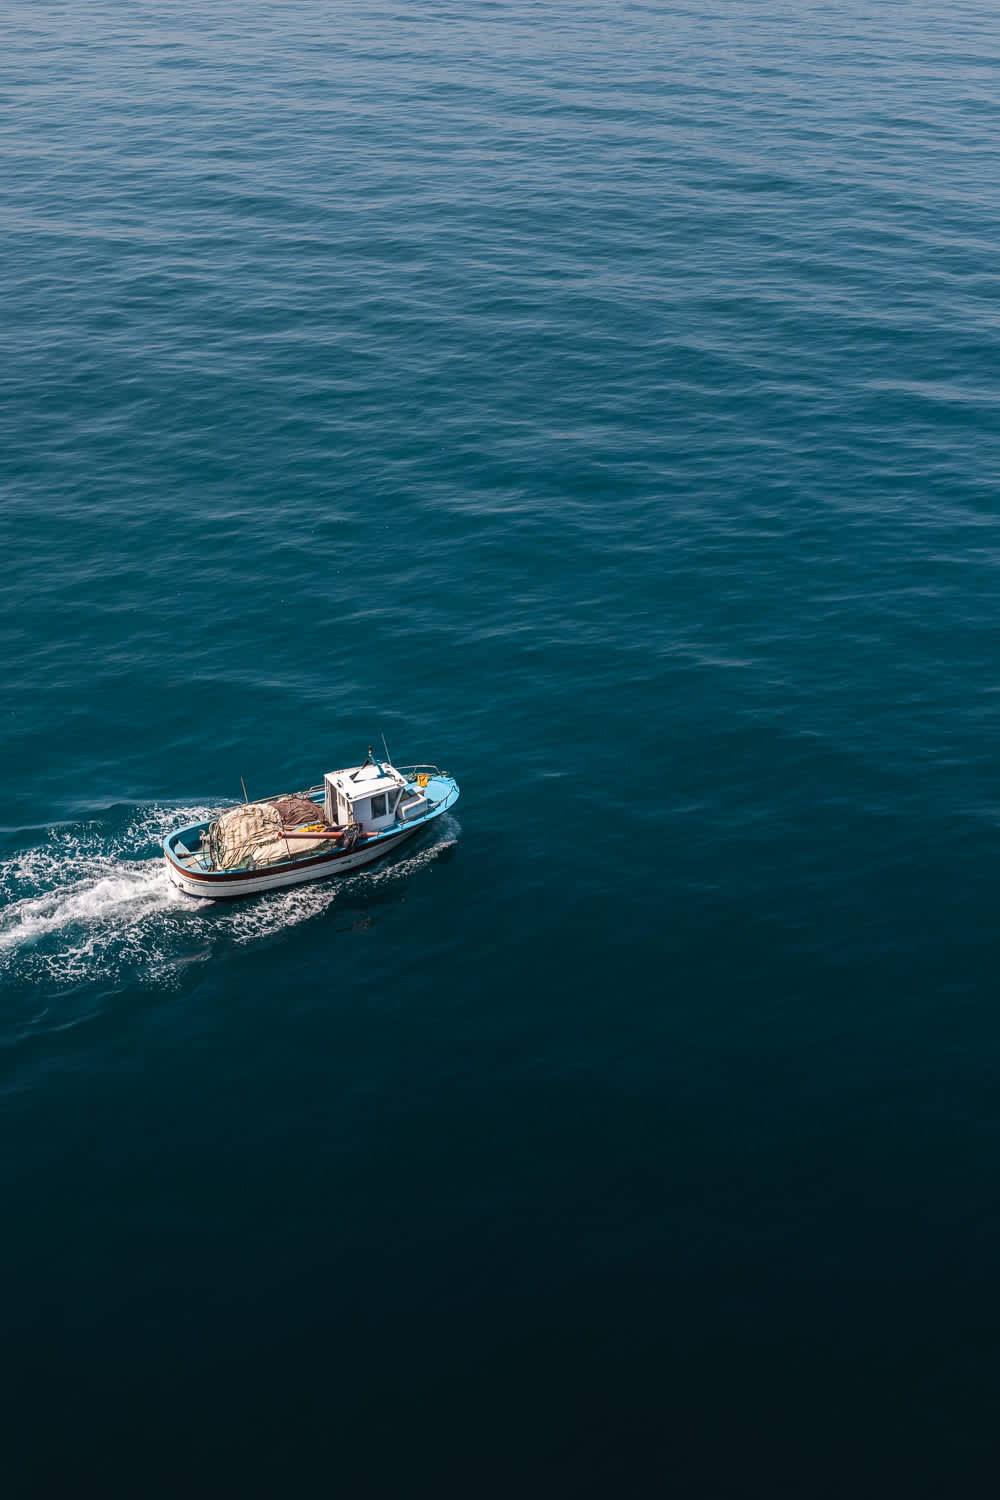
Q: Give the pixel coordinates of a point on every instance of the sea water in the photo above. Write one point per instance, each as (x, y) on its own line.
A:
(600, 401)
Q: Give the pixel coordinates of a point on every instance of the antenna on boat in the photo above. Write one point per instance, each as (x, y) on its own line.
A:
(385, 747)
(368, 762)
(243, 784)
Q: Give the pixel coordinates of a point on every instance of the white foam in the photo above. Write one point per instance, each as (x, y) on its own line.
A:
(91, 900)
(75, 907)
(80, 905)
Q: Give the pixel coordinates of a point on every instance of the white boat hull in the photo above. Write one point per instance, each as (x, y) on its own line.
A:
(221, 886)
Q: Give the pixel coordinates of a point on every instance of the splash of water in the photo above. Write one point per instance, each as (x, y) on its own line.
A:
(78, 905)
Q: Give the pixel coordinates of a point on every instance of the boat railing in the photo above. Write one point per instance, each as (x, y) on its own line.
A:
(412, 772)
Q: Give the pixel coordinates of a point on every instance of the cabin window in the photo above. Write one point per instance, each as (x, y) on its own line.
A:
(343, 810)
(378, 806)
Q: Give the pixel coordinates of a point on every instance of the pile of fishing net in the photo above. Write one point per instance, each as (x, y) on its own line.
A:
(295, 811)
(254, 833)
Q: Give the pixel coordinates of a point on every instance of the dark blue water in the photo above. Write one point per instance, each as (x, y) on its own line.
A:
(602, 402)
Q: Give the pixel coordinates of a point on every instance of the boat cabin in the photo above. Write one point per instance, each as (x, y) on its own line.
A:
(374, 795)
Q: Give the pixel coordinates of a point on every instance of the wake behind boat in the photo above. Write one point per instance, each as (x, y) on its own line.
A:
(353, 817)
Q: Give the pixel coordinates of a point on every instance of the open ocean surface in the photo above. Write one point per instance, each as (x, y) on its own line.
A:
(600, 400)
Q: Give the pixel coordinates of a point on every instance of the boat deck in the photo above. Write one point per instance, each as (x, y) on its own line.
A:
(190, 850)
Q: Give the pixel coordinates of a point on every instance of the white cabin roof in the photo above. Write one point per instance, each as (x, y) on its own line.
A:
(370, 780)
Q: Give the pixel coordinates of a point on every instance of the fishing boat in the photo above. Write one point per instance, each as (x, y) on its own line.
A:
(353, 817)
